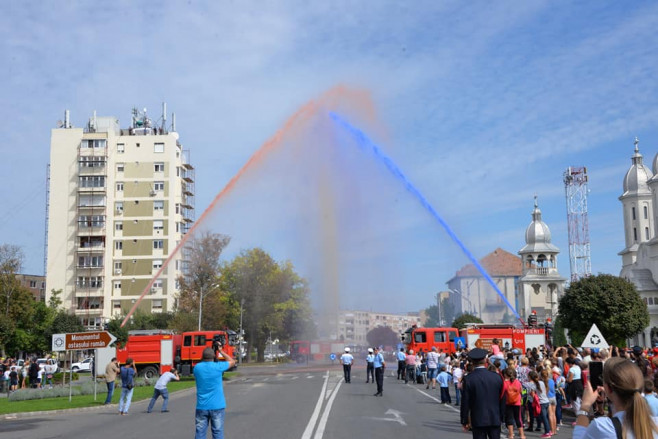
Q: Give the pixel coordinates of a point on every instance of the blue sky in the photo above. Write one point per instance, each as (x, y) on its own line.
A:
(484, 104)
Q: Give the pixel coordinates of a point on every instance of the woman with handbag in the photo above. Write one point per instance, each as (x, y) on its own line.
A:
(623, 385)
(128, 372)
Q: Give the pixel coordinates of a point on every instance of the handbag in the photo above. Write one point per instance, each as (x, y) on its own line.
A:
(536, 406)
(129, 386)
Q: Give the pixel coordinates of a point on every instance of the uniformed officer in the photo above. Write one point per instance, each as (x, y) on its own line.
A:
(401, 357)
(370, 366)
(347, 359)
(379, 364)
(482, 408)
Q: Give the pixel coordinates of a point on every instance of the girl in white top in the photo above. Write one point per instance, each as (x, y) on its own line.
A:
(623, 384)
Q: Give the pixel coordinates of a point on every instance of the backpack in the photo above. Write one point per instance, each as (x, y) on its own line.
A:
(536, 406)
(513, 393)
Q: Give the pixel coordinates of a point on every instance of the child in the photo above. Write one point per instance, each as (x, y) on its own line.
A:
(444, 379)
(512, 391)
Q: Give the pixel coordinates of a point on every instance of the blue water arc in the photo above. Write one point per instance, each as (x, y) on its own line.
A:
(368, 145)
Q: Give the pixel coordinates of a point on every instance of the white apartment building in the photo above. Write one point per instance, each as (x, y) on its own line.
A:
(119, 202)
(353, 326)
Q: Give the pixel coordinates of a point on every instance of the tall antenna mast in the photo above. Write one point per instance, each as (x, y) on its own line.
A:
(576, 189)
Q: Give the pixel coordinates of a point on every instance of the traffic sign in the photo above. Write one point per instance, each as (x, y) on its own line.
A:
(82, 340)
(594, 339)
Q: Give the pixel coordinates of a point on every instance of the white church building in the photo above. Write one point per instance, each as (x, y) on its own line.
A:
(640, 256)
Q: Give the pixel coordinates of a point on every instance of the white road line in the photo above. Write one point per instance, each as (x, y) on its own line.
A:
(325, 415)
(437, 400)
(314, 417)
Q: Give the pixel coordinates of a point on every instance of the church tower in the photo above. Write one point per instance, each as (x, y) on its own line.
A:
(541, 284)
(637, 201)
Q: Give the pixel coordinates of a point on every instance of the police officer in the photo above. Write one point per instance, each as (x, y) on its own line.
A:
(401, 357)
(370, 366)
(347, 359)
(482, 408)
(379, 364)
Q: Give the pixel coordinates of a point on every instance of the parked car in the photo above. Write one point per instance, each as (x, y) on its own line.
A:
(42, 362)
(82, 366)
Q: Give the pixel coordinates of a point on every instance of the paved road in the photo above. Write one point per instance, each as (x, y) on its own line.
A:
(273, 403)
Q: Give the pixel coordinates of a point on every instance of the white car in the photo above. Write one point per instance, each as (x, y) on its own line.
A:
(82, 366)
(43, 362)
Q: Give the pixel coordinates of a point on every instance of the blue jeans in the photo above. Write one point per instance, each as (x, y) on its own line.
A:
(124, 399)
(544, 418)
(458, 393)
(156, 394)
(216, 420)
(110, 392)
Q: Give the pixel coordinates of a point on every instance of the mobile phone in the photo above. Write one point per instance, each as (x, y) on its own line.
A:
(596, 374)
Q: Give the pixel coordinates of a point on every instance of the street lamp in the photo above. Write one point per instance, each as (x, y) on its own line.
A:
(201, 295)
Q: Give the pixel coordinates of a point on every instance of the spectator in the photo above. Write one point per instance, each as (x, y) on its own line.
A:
(160, 389)
(651, 397)
(128, 372)
(210, 402)
(111, 371)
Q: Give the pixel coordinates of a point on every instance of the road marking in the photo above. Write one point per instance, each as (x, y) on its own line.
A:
(397, 417)
(323, 421)
(314, 417)
(435, 399)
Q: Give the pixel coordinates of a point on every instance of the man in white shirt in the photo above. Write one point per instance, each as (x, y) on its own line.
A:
(161, 389)
(347, 359)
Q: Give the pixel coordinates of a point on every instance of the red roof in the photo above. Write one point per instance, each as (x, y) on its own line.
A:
(497, 263)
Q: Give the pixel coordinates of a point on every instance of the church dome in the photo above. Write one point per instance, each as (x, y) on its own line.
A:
(637, 177)
(538, 235)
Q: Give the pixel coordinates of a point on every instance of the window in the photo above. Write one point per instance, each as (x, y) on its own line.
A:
(157, 264)
(158, 225)
(117, 267)
(120, 187)
(158, 244)
(178, 227)
(92, 181)
(646, 212)
(646, 233)
(177, 209)
(85, 221)
(158, 205)
(117, 285)
(187, 340)
(420, 337)
(158, 147)
(118, 206)
(439, 337)
(117, 304)
(634, 234)
(118, 226)
(121, 148)
(158, 186)
(200, 340)
(158, 284)
(33, 284)
(118, 245)
(90, 261)
(93, 143)
(91, 162)
(633, 212)
(157, 304)
(159, 167)
(120, 167)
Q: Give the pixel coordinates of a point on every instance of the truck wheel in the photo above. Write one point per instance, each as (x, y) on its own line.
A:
(149, 372)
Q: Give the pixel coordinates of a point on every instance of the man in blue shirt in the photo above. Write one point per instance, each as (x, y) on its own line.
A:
(444, 379)
(347, 359)
(210, 402)
(401, 365)
(379, 364)
(652, 401)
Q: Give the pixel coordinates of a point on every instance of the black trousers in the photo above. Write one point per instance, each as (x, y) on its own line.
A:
(401, 368)
(347, 372)
(370, 372)
(486, 432)
(379, 376)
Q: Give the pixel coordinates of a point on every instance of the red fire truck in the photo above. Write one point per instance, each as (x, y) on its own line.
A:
(510, 336)
(303, 350)
(425, 338)
(157, 351)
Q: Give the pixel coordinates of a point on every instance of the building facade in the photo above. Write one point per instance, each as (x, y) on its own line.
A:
(353, 326)
(34, 284)
(120, 201)
(640, 254)
(471, 293)
(541, 285)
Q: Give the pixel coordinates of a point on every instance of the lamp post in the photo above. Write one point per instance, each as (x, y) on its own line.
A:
(201, 295)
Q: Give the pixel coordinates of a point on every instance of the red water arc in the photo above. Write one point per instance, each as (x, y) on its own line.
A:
(302, 115)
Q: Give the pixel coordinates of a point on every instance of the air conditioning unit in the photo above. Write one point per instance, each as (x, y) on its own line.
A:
(117, 271)
(152, 193)
(119, 212)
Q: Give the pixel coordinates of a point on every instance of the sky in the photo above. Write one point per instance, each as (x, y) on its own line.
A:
(481, 104)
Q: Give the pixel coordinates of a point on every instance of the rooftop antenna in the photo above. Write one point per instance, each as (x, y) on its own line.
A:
(67, 119)
(173, 122)
(164, 117)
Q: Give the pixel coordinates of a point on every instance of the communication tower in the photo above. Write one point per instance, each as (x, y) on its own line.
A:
(576, 189)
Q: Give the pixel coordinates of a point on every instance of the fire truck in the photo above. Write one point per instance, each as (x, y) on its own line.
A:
(303, 350)
(425, 338)
(158, 351)
(510, 336)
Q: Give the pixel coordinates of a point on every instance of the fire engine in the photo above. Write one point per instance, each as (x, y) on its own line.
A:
(303, 350)
(158, 351)
(510, 336)
(425, 338)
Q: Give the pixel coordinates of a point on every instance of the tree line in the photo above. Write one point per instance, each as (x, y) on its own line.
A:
(269, 297)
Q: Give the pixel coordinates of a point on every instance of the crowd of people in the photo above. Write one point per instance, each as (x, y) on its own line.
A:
(528, 391)
(15, 375)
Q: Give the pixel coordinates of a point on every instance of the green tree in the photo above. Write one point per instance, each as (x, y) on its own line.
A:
(382, 336)
(461, 321)
(275, 298)
(432, 313)
(114, 328)
(609, 301)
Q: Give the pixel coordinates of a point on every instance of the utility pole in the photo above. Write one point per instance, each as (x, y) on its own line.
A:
(240, 336)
